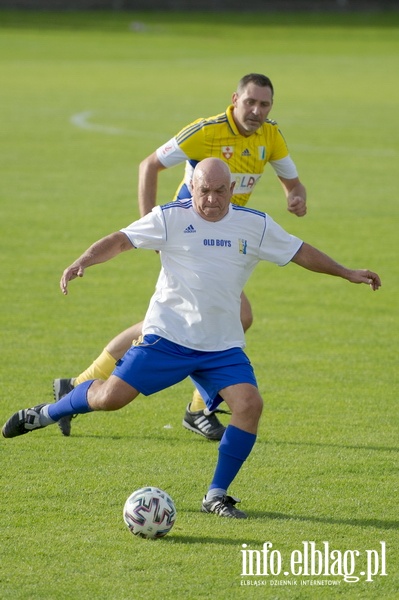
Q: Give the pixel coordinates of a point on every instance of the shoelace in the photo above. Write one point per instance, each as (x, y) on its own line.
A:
(207, 412)
(226, 503)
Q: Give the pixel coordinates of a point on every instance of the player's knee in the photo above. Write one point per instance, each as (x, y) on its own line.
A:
(251, 406)
(256, 406)
(101, 397)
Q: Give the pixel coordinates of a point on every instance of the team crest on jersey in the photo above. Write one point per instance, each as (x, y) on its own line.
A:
(242, 246)
(261, 152)
(227, 152)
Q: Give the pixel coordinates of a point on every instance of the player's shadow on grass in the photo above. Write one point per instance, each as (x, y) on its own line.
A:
(175, 436)
(329, 445)
(204, 539)
(275, 516)
(267, 516)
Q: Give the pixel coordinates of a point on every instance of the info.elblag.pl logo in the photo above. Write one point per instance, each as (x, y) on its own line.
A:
(313, 561)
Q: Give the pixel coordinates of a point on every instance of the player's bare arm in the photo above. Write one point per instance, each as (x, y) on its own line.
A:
(312, 259)
(148, 183)
(99, 252)
(295, 193)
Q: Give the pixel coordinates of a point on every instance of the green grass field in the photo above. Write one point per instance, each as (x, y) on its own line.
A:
(83, 99)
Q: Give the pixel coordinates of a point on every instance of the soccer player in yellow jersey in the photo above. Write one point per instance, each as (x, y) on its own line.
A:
(246, 140)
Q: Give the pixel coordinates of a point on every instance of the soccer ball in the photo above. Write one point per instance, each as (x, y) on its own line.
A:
(149, 512)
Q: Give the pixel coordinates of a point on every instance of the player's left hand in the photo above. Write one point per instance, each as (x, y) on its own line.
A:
(365, 276)
(296, 206)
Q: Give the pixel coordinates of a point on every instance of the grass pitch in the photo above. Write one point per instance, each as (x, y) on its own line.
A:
(83, 99)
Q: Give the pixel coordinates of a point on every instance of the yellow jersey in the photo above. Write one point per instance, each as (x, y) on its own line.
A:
(219, 137)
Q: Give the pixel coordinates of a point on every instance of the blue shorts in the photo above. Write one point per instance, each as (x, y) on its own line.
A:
(183, 193)
(157, 363)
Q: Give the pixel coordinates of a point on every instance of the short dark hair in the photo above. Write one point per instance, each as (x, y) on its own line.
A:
(257, 79)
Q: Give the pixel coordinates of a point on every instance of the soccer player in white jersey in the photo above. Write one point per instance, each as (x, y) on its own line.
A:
(192, 328)
(246, 140)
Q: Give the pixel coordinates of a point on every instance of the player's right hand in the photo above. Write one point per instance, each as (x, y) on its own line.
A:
(70, 273)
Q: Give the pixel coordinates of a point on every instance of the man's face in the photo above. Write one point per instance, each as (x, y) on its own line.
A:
(251, 108)
(212, 192)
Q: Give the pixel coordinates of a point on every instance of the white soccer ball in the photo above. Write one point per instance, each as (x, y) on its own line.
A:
(149, 512)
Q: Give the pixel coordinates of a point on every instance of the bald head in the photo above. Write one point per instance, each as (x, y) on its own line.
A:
(212, 168)
(212, 189)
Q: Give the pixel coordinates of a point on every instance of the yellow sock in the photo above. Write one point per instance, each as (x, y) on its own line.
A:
(101, 368)
(197, 402)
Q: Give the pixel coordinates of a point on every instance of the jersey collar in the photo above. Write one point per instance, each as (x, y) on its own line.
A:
(231, 122)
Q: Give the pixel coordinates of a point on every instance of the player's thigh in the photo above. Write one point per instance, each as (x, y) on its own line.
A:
(123, 341)
(112, 394)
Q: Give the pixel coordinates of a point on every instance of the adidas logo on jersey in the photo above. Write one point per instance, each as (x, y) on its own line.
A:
(190, 229)
(246, 152)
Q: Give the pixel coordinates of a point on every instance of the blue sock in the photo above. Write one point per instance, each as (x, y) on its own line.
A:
(234, 448)
(74, 403)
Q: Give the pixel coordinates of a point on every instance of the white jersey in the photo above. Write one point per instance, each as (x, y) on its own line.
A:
(205, 266)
